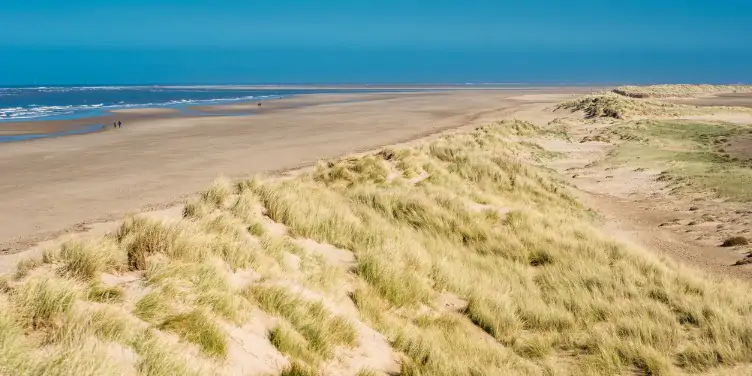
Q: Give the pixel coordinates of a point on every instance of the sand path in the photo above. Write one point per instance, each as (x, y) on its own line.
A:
(53, 186)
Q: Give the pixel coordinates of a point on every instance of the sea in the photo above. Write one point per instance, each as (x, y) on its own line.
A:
(35, 103)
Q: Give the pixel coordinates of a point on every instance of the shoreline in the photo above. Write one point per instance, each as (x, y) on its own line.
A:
(68, 183)
(28, 130)
(54, 126)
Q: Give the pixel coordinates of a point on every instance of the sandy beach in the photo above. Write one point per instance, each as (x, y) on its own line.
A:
(51, 186)
(727, 99)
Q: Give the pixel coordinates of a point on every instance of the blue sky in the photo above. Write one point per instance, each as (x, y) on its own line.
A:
(70, 30)
(664, 23)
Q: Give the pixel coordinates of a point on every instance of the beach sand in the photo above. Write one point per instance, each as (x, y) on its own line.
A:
(53, 186)
(727, 99)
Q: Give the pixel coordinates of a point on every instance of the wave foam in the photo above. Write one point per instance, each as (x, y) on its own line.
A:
(36, 111)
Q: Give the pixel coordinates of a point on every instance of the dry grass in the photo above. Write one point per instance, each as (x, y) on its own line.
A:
(678, 91)
(85, 260)
(544, 291)
(198, 328)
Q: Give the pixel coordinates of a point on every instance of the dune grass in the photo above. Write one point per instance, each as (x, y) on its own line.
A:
(538, 289)
(611, 105)
(313, 331)
(198, 328)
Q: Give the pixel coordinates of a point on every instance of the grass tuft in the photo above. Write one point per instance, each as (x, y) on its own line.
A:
(219, 192)
(321, 329)
(198, 328)
(42, 301)
(86, 259)
(735, 241)
(299, 369)
(291, 343)
(105, 294)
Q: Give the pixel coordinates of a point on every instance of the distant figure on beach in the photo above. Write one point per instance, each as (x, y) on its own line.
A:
(114, 124)
(259, 104)
(120, 124)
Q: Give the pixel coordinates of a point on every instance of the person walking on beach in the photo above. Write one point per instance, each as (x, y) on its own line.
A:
(114, 124)
(120, 124)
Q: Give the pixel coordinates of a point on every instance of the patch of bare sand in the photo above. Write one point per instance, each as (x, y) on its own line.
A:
(449, 302)
(740, 146)
(547, 97)
(730, 117)
(249, 350)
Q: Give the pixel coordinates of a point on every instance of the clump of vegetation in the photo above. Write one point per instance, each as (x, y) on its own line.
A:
(735, 241)
(313, 332)
(42, 301)
(105, 294)
(198, 328)
(299, 369)
(610, 105)
(85, 260)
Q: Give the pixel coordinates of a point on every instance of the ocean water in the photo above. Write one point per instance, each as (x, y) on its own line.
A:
(74, 102)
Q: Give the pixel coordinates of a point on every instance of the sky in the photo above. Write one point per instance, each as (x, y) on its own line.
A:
(380, 41)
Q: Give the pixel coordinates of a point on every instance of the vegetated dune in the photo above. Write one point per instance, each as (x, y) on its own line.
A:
(616, 106)
(678, 90)
(453, 257)
(611, 105)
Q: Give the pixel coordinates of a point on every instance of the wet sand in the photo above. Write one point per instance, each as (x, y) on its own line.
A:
(140, 115)
(52, 186)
